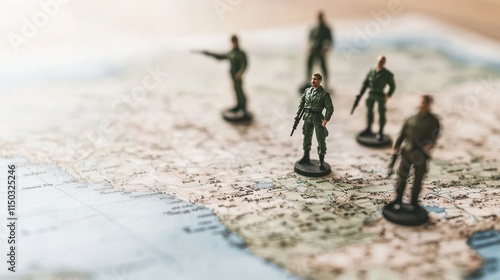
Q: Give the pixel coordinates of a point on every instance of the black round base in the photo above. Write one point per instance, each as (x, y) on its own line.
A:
(371, 140)
(311, 169)
(406, 215)
(237, 117)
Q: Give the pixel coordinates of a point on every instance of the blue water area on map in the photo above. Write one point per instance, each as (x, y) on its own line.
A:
(487, 245)
(264, 185)
(29, 73)
(434, 209)
(107, 233)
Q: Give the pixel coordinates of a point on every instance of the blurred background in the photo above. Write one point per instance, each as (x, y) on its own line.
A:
(79, 22)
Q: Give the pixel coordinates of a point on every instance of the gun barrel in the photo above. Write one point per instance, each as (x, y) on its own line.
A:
(390, 169)
(297, 120)
(294, 126)
(356, 102)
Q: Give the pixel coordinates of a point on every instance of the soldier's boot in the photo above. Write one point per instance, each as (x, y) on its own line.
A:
(380, 134)
(414, 204)
(414, 196)
(367, 131)
(241, 112)
(305, 158)
(244, 110)
(322, 162)
(235, 109)
(397, 203)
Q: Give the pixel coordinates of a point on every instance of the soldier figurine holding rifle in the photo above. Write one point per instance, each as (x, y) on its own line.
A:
(376, 80)
(314, 100)
(419, 134)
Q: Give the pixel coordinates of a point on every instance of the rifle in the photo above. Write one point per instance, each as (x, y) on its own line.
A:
(356, 102)
(390, 168)
(300, 113)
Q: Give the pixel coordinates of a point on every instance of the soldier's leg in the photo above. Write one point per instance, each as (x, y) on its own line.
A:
(381, 114)
(420, 165)
(321, 134)
(403, 172)
(324, 68)
(369, 113)
(307, 131)
(240, 96)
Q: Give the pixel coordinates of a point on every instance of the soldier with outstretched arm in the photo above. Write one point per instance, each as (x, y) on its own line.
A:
(415, 143)
(376, 80)
(313, 101)
(238, 61)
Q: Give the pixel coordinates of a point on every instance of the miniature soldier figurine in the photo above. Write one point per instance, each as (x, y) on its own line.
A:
(313, 101)
(238, 60)
(320, 41)
(419, 134)
(376, 80)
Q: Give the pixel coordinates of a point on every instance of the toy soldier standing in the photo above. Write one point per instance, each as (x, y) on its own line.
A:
(419, 134)
(238, 61)
(313, 101)
(320, 41)
(376, 80)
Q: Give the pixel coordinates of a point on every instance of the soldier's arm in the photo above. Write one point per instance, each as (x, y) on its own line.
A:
(311, 37)
(328, 106)
(302, 101)
(219, 56)
(392, 85)
(365, 85)
(328, 40)
(244, 62)
(400, 138)
(435, 133)
(241, 59)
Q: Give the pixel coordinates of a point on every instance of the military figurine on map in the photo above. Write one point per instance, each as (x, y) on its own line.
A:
(376, 80)
(238, 61)
(419, 134)
(320, 42)
(313, 101)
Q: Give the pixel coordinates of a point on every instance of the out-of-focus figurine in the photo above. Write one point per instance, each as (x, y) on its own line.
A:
(314, 100)
(238, 61)
(419, 134)
(376, 80)
(320, 42)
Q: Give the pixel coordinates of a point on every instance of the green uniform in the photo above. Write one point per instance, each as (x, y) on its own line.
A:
(418, 131)
(377, 82)
(314, 101)
(319, 37)
(238, 60)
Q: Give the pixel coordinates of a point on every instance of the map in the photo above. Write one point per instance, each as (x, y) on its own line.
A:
(126, 170)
